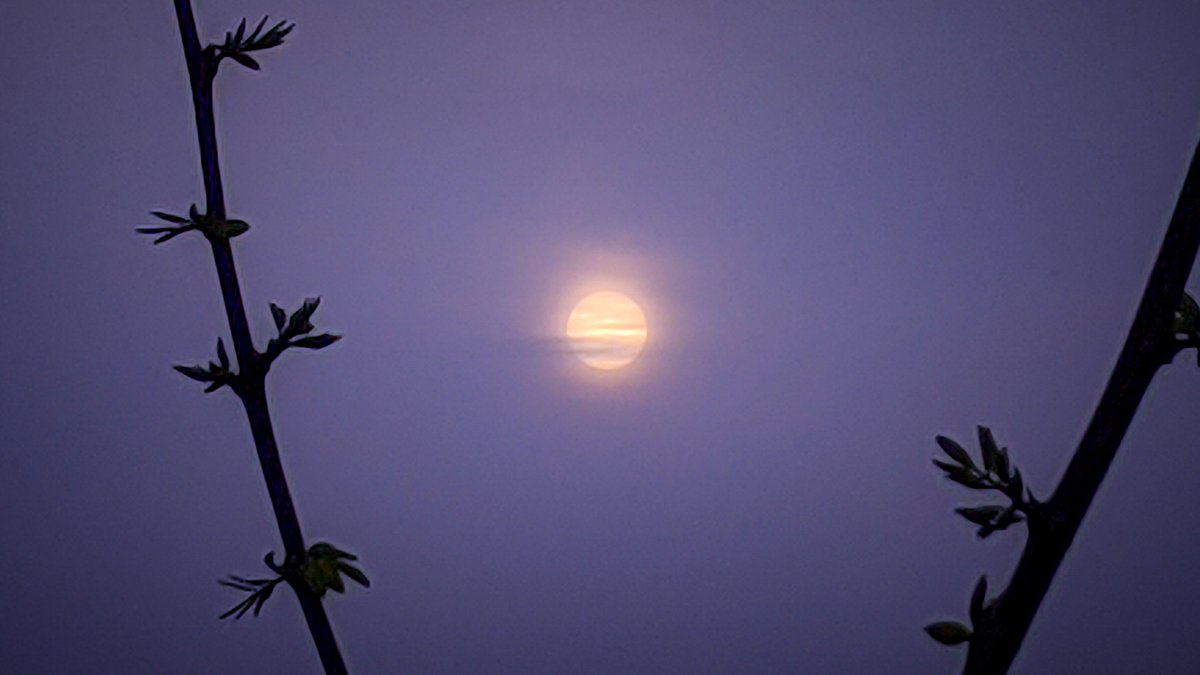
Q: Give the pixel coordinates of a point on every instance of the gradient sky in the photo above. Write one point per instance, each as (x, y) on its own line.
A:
(852, 226)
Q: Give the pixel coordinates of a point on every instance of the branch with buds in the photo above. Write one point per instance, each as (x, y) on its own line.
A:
(310, 571)
(292, 332)
(1167, 321)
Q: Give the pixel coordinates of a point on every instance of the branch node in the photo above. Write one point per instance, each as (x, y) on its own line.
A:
(213, 229)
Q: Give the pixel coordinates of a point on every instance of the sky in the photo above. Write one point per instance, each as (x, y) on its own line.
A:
(851, 227)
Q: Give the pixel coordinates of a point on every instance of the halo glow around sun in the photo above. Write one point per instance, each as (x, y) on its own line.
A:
(607, 330)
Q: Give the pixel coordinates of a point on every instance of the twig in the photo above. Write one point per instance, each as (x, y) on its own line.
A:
(248, 383)
(1000, 626)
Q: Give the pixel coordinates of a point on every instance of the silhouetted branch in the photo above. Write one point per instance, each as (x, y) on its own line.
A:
(309, 571)
(1166, 322)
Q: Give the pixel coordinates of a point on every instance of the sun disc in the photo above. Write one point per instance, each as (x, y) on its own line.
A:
(607, 330)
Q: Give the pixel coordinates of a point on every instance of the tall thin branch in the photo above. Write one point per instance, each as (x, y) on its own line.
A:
(1003, 624)
(252, 391)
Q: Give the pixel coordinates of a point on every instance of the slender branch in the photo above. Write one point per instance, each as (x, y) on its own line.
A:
(1004, 623)
(201, 66)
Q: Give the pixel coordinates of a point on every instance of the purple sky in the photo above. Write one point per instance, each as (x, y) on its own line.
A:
(851, 228)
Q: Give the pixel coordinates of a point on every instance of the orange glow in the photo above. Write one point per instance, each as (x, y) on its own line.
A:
(607, 330)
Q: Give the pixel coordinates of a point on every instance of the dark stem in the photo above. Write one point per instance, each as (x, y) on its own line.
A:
(998, 638)
(201, 70)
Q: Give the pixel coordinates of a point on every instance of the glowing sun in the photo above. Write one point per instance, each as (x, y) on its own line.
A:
(607, 330)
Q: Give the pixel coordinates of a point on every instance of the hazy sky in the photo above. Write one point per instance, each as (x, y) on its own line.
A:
(851, 227)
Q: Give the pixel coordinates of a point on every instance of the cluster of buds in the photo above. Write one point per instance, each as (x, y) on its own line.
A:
(211, 228)
(237, 43)
(321, 570)
(997, 473)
